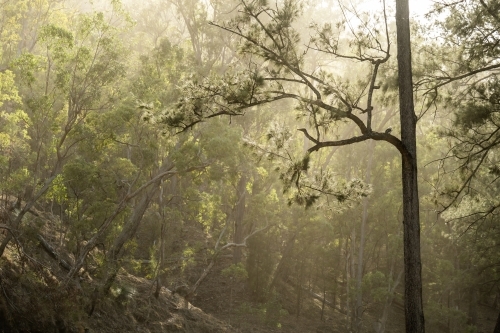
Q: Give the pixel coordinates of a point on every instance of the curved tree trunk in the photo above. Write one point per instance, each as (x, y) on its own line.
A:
(128, 231)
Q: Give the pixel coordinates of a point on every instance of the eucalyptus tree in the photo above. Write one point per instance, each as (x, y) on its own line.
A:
(222, 190)
(212, 50)
(276, 70)
(60, 89)
(93, 157)
(21, 22)
(14, 145)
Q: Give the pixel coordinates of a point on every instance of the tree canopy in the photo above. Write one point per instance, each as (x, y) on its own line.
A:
(251, 146)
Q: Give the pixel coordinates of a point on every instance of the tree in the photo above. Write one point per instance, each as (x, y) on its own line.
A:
(277, 70)
(414, 315)
(465, 83)
(75, 84)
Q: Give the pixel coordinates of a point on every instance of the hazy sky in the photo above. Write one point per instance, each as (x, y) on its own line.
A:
(420, 7)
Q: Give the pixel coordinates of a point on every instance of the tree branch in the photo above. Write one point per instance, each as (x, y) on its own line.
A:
(448, 80)
(216, 255)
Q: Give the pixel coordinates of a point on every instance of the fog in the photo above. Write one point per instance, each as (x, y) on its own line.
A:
(244, 166)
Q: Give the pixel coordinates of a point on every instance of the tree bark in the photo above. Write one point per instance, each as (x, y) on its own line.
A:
(128, 231)
(362, 235)
(130, 228)
(239, 213)
(351, 300)
(279, 273)
(324, 290)
(18, 219)
(497, 326)
(380, 326)
(323, 300)
(53, 253)
(161, 260)
(472, 311)
(414, 315)
(298, 305)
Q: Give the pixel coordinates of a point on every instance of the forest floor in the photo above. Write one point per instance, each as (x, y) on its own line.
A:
(32, 300)
(35, 297)
(232, 303)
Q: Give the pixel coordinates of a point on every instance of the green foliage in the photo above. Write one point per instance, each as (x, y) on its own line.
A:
(57, 37)
(246, 308)
(441, 314)
(188, 257)
(471, 329)
(58, 191)
(236, 271)
(122, 293)
(84, 107)
(8, 89)
(375, 285)
(274, 312)
(473, 115)
(15, 151)
(159, 75)
(220, 144)
(260, 266)
(27, 66)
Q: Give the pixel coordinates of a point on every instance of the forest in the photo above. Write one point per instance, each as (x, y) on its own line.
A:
(322, 166)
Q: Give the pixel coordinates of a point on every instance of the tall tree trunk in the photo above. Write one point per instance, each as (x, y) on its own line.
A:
(239, 213)
(497, 326)
(130, 228)
(472, 311)
(128, 231)
(161, 259)
(161, 249)
(352, 276)
(380, 327)
(362, 236)
(323, 279)
(280, 269)
(298, 289)
(414, 315)
(345, 302)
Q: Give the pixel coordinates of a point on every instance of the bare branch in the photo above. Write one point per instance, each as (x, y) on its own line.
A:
(216, 255)
(447, 80)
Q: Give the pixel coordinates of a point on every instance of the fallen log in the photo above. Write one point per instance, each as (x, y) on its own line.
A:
(53, 253)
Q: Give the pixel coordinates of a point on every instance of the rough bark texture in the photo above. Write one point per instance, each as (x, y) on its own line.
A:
(414, 314)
